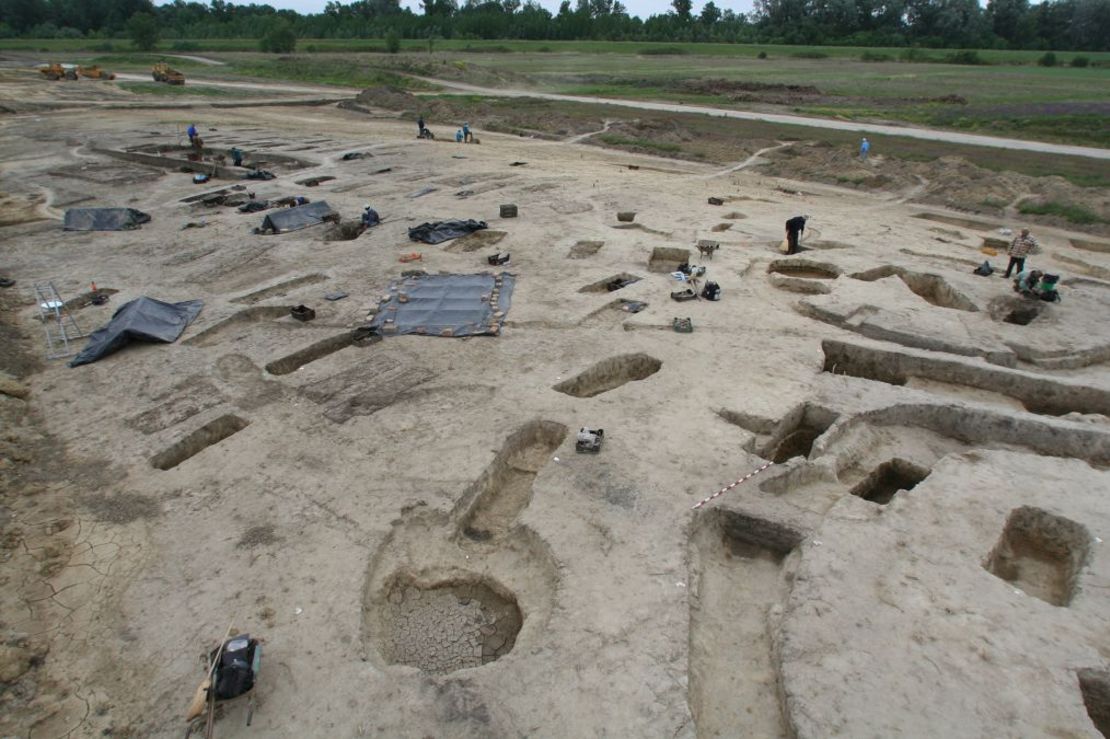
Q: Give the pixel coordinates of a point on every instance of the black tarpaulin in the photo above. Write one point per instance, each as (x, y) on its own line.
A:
(440, 231)
(104, 219)
(142, 319)
(446, 305)
(294, 219)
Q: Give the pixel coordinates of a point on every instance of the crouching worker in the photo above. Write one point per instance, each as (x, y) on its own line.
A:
(236, 156)
(1026, 282)
(370, 217)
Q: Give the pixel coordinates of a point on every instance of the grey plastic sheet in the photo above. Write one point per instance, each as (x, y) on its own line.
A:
(285, 220)
(446, 305)
(104, 219)
(141, 319)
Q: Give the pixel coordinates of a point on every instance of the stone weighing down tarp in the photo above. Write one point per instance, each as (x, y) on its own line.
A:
(294, 219)
(104, 219)
(446, 305)
(142, 319)
(440, 231)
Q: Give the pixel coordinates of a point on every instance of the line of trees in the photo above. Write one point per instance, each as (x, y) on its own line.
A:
(1052, 24)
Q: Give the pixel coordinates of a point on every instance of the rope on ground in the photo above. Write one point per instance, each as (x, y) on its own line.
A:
(726, 488)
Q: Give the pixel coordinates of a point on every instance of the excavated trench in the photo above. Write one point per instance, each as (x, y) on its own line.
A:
(609, 374)
(257, 314)
(978, 427)
(319, 350)
(584, 249)
(1037, 394)
(805, 269)
(736, 578)
(888, 479)
(341, 230)
(86, 299)
(1041, 553)
(795, 434)
(444, 626)
(610, 284)
(1015, 309)
(280, 288)
(931, 288)
(475, 241)
(505, 488)
(1095, 687)
(667, 259)
(210, 433)
(954, 221)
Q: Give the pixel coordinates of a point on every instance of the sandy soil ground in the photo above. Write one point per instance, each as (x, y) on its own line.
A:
(408, 526)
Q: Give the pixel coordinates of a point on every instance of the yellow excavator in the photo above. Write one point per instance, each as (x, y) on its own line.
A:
(56, 71)
(94, 72)
(162, 72)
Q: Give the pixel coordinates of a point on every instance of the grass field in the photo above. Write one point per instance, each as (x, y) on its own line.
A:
(1012, 97)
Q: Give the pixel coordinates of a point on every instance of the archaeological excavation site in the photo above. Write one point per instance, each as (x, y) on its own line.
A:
(496, 460)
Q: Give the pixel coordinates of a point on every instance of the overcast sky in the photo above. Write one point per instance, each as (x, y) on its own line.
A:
(642, 8)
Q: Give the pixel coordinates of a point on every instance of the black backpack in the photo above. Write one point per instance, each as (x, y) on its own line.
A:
(711, 291)
(235, 672)
(984, 270)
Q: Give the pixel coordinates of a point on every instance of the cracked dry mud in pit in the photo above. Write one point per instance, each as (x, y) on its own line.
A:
(408, 524)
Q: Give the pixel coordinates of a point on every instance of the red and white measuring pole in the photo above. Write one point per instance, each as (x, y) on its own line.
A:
(726, 488)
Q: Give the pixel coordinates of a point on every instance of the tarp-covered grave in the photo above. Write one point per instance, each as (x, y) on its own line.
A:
(439, 231)
(142, 319)
(104, 219)
(446, 305)
(294, 219)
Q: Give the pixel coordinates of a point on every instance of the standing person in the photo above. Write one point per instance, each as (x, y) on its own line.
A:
(468, 137)
(192, 133)
(1022, 245)
(420, 126)
(236, 156)
(864, 147)
(794, 228)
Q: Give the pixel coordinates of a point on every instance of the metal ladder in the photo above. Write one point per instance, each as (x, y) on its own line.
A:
(60, 326)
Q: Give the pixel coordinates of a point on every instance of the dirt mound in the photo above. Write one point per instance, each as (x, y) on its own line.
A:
(952, 182)
(387, 97)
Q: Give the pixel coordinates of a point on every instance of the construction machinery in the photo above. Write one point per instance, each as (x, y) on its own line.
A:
(56, 71)
(94, 72)
(162, 72)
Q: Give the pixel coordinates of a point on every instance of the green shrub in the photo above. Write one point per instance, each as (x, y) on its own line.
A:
(915, 55)
(1048, 60)
(392, 42)
(810, 55)
(106, 46)
(185, 46)
(280, 39)
(874, 56)
(1067, 211)
(1079, 61)
(144, 31)
(965, 56)
(663, 51)
(761, 55)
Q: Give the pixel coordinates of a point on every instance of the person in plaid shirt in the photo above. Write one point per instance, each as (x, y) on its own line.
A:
(1020, 247)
